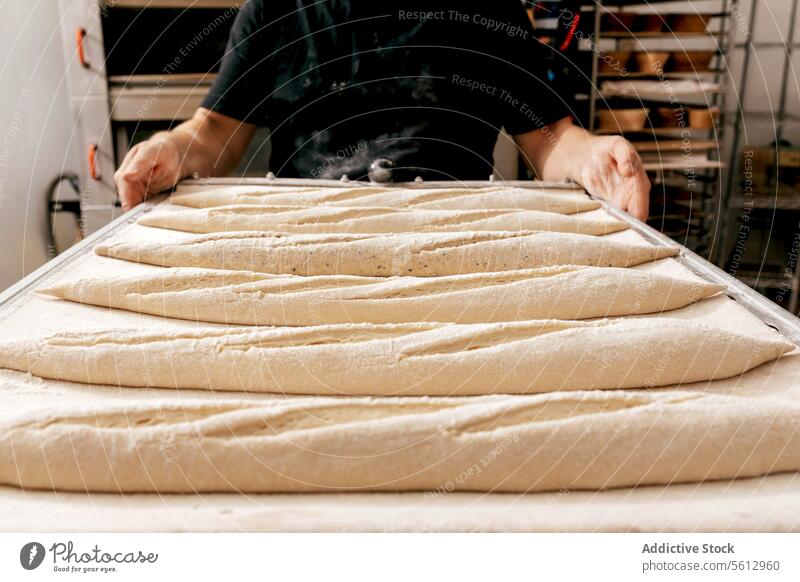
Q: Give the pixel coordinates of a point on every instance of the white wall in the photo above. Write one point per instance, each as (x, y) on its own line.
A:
(35, 129)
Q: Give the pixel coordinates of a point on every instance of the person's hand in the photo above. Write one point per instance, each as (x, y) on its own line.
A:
(150, 167)
(613, 171)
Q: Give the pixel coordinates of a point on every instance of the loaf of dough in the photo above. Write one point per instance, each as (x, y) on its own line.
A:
(352, 219)
(520, 444)
(434, 359)
(562, 202)
(421, 255)
(247, 298)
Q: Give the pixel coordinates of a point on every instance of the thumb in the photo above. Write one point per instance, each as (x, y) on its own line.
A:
(626, 158)
(133, 176)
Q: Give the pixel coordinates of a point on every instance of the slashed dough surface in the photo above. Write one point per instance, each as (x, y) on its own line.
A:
(767, 392)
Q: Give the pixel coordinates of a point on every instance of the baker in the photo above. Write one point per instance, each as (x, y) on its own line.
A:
(390, 90)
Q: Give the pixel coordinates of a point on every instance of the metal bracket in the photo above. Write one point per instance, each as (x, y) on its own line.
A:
(767, 311)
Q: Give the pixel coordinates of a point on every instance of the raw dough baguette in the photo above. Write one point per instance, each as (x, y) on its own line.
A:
(431, 359)
(421, 255)
(562, 202)
(327, 219)
(247, 298)
(516, 444)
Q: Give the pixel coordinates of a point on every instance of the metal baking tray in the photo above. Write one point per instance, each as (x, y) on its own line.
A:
(768, 312)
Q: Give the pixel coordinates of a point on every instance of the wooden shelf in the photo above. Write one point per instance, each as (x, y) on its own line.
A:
(674, 132)
(780, 197)
(623, 3)
(619, 102)
(660, 97)
(774, 117)
(767, 203)
(674, 145)
(780, 45)
(680, 165)
(665, 35)
(632, 2)
(674, 75)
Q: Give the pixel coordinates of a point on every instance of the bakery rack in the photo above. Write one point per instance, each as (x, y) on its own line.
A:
(767, 197)
(758, 305)
(694, 219)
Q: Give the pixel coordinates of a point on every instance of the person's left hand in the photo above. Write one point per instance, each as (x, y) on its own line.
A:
(615, 173)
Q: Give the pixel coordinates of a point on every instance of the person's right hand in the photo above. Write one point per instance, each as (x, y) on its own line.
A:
(149, 167)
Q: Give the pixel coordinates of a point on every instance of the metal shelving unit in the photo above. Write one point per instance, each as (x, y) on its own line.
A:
(658, 143)
(779, 197)
(781, 116)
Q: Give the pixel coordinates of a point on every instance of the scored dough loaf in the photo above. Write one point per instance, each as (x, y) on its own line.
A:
(352, 219)
(434, 359)
(247, 298)
(519, 444)
(562, 202)
(421, 255)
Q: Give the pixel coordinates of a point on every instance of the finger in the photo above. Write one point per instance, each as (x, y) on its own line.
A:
(131, 192)
(128, 182)
(142, 163)
(136, 176)
(636, 185)
(132, 153)
(164, 175)
(626, 158)
(612, 183)
(591, 182)
(158, 167)
(639, 205)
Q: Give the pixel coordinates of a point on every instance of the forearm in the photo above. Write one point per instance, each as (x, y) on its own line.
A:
(210, 144)
(558, 151)
(201, 144)
(606, 166)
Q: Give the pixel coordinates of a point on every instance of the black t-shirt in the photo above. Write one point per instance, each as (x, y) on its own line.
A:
(425, 83)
